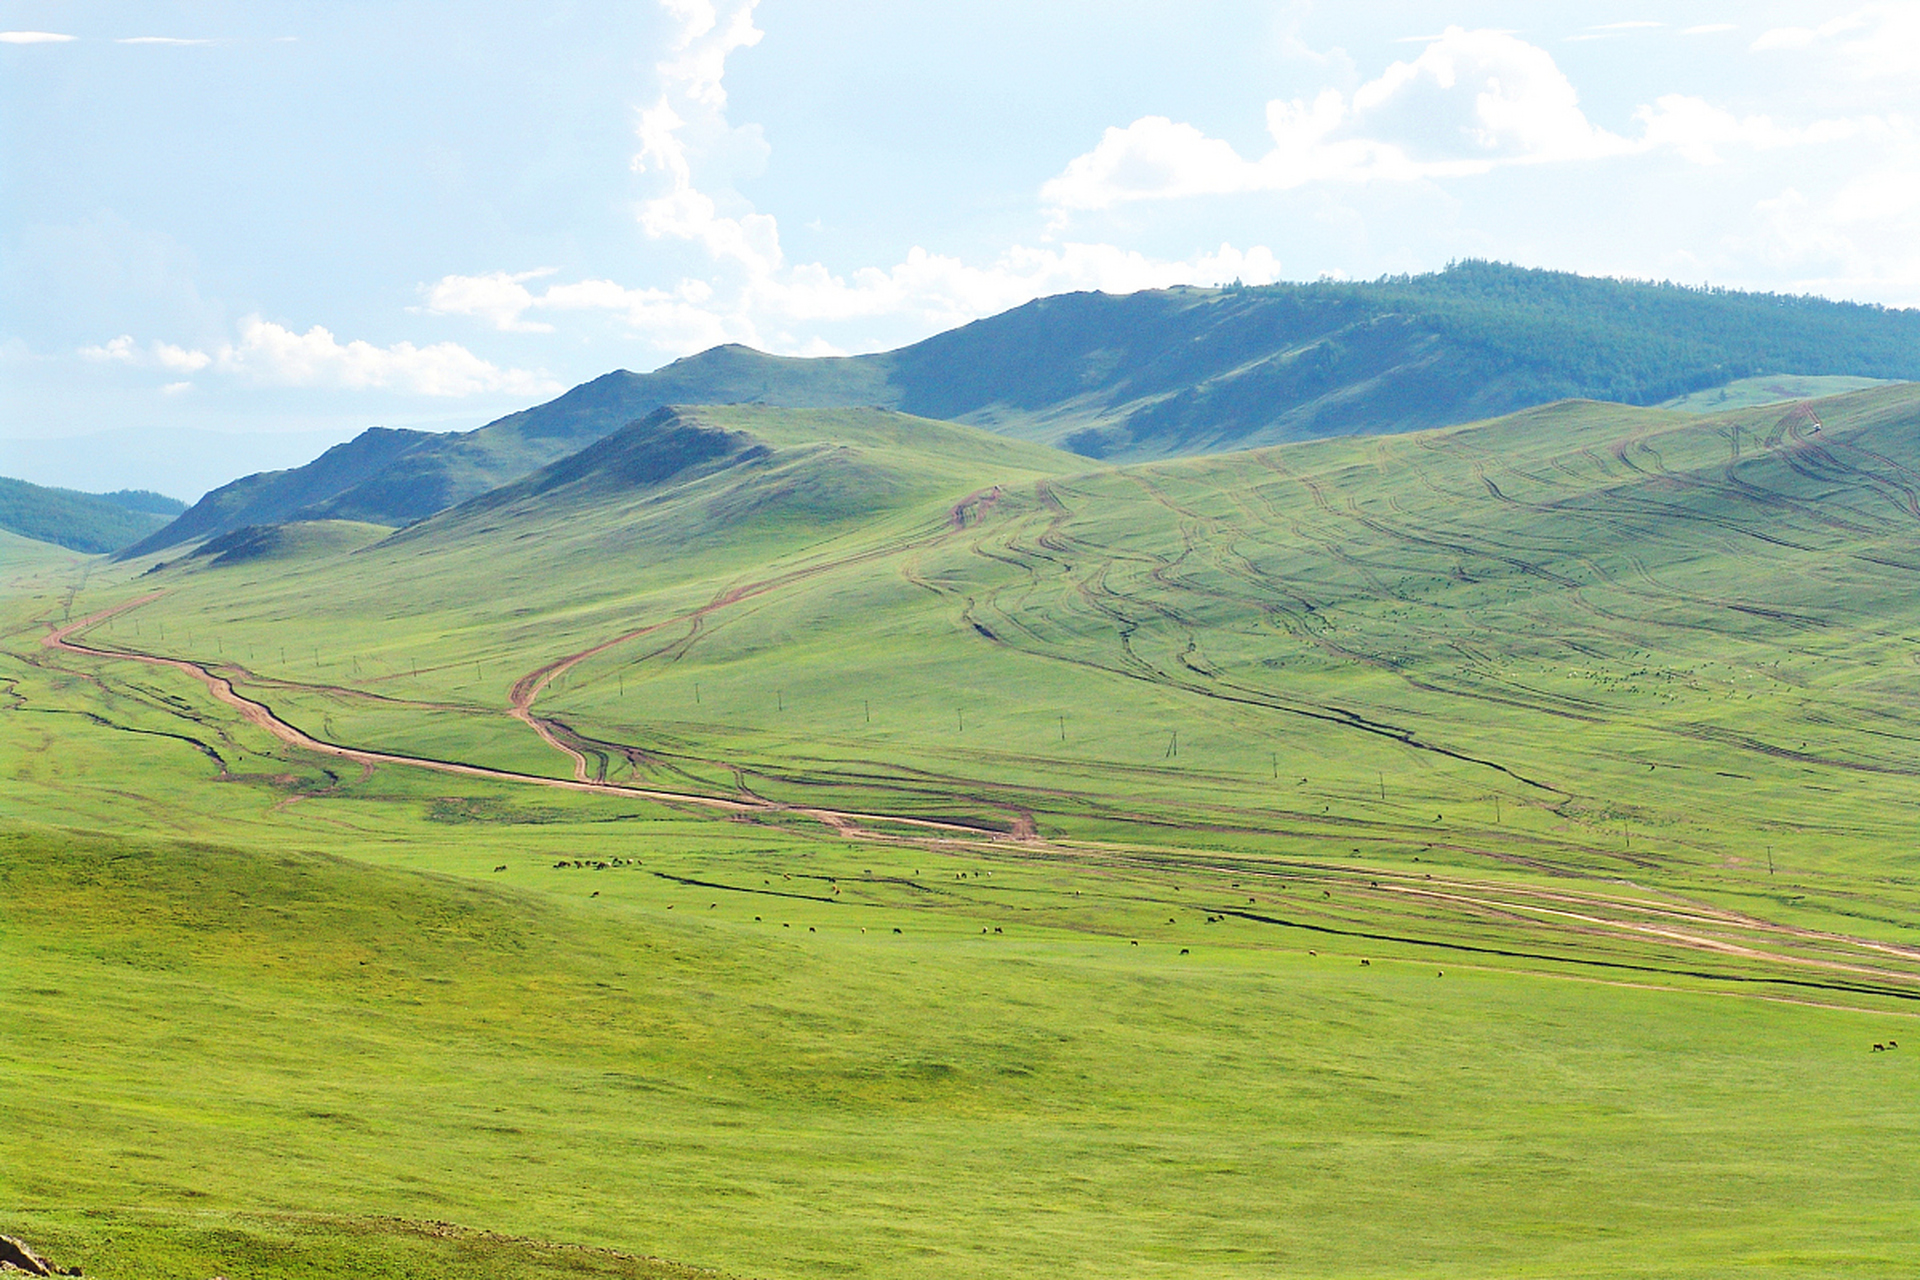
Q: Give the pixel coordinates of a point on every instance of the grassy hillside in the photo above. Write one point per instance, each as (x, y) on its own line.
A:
(1747, 393)
(91, 522)
(1482, 852)
(1165, 373)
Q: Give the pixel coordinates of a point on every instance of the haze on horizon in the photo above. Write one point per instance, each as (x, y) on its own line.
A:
(284, 224)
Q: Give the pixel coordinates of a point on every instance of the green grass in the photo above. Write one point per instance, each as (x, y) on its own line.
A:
(1746, 393)
(1459, 652)
(288, 1033)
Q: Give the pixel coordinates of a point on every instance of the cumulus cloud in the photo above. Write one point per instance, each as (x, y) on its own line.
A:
(1473, 101)
(754, 295)
(1700, 132)
(156, 355)
(273, 355)
(1860, 240)
(693, 98)
(778, 310)
(33, 37)
(499, 298)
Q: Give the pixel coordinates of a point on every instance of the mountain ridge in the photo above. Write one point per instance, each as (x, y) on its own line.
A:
(1160, 373)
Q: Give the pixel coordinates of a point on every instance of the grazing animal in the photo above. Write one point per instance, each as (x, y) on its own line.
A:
(896, 931)
(1879, 1048)
(1132, 942)
(1365, 962)
(1183, 951)
(1441, 974)
(1893, 1044)
(1313, 953)
(501, 867)
(594, 894)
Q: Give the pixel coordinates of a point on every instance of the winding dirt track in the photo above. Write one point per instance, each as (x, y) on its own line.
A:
(262, 717)
(1691, 927)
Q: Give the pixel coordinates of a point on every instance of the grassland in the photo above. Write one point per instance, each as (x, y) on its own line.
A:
(1589, 731)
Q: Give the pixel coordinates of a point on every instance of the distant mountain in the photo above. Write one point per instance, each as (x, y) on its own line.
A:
(91, 522)
(1162, 373)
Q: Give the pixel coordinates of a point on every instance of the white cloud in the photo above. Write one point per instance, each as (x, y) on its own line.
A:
(777, 310)
(1699, 131)
(120, 348)
(694, 97)
(270, 353)
(757, 297)
(274, 355)
(1878, 40)
(33, 37)
(176, 388)
(497, 297)
(1472, 102)
(156, 355)
(1861, 240)
(168, 356)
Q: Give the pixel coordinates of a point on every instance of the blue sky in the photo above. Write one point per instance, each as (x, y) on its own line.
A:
(235, 232)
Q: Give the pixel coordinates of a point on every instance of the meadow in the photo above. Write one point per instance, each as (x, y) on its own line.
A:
(895, 850)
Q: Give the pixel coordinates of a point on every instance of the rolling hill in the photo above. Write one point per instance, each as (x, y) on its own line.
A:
(1157, 374)
(1712, 596)
(91, 522)
(1482, 850)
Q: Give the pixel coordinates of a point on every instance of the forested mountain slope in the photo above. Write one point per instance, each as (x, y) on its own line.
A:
(93, 522)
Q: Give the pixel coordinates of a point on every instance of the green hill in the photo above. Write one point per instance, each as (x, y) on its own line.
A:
(1164, 373)
(822, 842)
(91, 522)
(1442, 608)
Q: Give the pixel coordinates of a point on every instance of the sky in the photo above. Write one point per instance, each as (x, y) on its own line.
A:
(233, 233)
